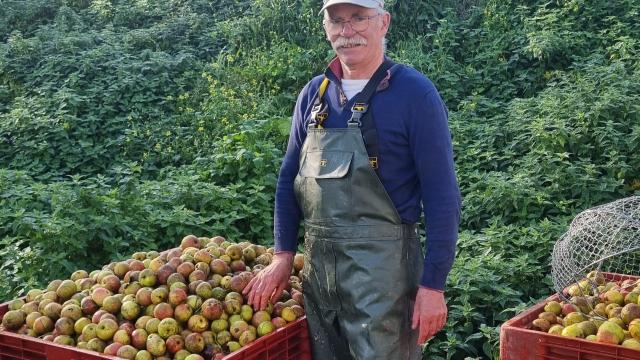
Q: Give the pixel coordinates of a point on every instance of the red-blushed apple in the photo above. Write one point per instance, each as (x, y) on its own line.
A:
(139, 338)
(194, 343)
(197, 275)
(163, 311)
(177, 296)
(185, 269)
(136, 265)
(182, 313)
(112, 349)
(127, 326)
(174, 253)
(95, 318)
(174, 262)
(190, 241)
(218, 266)
(174, 343)
(212, 309)
(111, 282)
(108, 316)
(99, 294)
(164, 272)
(64, 326)
(143, 296)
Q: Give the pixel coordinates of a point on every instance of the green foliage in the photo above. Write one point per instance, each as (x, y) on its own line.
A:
(101, 91)
(25, 16)
(95, 222)
(494, 272)
(568, 148)
(267, 22)
(126, 125)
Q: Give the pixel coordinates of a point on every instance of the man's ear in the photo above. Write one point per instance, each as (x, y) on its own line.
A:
(386, 21)
(325, 17)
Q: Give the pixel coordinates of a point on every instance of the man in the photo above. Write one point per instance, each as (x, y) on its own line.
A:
(361, 195)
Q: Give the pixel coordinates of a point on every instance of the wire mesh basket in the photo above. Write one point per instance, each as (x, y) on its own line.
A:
(605, 238)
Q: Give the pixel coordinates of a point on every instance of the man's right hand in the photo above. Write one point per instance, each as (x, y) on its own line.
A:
(267, 285)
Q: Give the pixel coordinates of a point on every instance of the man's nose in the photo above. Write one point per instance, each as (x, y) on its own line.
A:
(347, 30)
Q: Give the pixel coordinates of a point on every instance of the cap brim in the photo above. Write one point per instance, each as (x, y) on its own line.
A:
(369, 4)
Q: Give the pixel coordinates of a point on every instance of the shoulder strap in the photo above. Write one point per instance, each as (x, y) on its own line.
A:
(317, 116)
(361, 104)
(362, 118)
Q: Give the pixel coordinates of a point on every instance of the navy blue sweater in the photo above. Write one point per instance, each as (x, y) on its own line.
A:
(415, 161)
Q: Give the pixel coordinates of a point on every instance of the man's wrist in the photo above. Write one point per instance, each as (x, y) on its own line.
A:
(284, 256)
(432, 289)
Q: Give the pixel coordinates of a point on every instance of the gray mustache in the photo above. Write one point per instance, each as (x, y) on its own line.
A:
(342, 41)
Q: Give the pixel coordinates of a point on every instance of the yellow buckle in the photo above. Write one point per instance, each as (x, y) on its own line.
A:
(359, 107)
(373, 161)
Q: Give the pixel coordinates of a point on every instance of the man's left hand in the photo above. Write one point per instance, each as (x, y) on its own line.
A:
(429, 313)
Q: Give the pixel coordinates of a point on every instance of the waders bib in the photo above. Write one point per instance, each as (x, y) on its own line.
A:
(362, 264)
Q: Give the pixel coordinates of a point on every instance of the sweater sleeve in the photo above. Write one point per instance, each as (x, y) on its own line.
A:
(287, 213)
(432, 149)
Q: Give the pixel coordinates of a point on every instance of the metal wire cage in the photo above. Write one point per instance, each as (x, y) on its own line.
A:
(605, 238)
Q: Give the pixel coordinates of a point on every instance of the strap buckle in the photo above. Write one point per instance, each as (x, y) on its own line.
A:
(321, 118)
(318, 116)
(373, 161)
(357, 110)
(360, 107)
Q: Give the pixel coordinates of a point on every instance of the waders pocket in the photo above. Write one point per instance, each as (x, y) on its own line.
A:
(323, 185)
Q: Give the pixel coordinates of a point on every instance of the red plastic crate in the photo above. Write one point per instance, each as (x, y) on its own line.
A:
(519, 342)
(288, 343)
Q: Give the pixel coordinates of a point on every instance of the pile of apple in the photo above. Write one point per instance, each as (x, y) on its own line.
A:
(597, 310)
(185, 303)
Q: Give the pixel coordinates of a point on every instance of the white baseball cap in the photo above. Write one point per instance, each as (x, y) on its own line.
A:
(371, 4)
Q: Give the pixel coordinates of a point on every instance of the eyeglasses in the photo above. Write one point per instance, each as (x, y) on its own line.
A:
(357, 23)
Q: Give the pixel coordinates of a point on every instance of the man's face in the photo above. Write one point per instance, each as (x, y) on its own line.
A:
(351, 46)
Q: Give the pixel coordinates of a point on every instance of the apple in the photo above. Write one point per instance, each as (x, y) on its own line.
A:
(139, 338)
(106, 329)
(156, 345)
(197, 323)
(174, 343)
(147, 278)
(163, 311)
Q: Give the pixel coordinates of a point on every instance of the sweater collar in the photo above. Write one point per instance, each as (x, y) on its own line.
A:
(334, 73)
